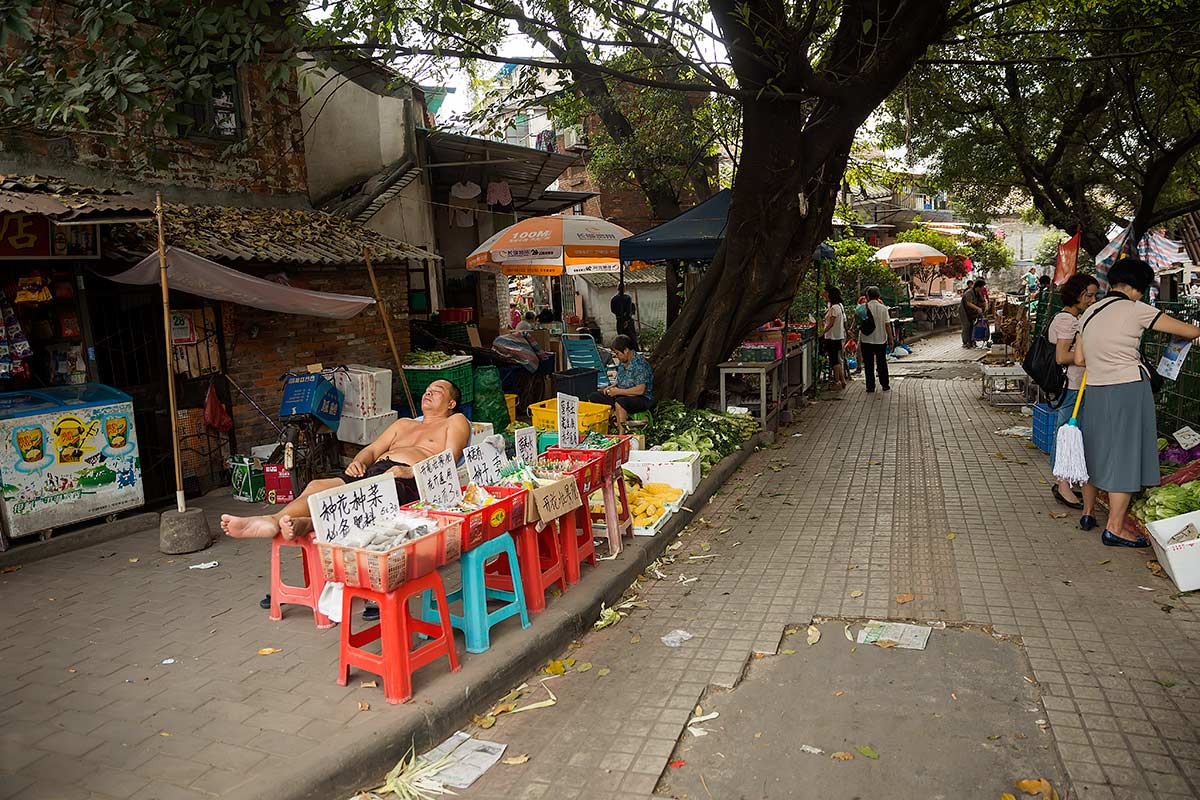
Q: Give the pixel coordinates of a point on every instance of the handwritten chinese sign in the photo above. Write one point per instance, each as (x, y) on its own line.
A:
(556, 499)
(338, 512)
(526, 440)
(437, 480)
(568, 420)
(484, 463)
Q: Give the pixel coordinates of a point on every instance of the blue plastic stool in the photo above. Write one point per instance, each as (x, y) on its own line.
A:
(476, 621)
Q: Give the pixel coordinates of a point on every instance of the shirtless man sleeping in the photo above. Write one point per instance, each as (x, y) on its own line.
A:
(404, 443)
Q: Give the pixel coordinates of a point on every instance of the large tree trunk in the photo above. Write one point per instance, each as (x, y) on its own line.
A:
(769, 242)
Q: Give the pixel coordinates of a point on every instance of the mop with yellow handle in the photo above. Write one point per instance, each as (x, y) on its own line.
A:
(1069, 463)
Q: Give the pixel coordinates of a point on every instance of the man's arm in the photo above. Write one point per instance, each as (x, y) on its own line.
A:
(458, 435)
(372, 452)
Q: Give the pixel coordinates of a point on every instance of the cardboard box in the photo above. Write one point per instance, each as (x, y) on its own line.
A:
(246, 478)
(1182, 560)
(358, 430)
(278, 482)
(366, 391)
(553, 501)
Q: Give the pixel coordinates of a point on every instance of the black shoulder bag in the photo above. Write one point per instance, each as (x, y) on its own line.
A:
(1041, 364)
(1156, 380)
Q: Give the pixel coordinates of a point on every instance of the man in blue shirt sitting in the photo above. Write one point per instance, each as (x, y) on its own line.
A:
(634, 390)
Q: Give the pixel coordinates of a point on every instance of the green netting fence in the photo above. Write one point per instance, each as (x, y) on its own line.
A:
(1178, 404)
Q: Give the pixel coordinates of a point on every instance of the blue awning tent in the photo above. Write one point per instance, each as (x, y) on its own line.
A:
(694, 235)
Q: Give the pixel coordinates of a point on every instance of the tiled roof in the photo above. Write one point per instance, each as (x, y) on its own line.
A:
(234, 235)
(67, 202)
(610, 280)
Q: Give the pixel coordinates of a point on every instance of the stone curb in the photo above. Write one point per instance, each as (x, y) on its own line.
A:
(448, 701)
(79, 539)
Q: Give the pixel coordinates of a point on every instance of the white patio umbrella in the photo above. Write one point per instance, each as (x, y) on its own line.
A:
(907, 254)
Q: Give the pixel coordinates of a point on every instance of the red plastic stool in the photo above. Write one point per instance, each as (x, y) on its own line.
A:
(314, 579)
(575, 537)
(397, 661)
(540, 558)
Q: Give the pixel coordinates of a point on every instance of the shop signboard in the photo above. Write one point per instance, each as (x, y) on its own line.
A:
(32, 236)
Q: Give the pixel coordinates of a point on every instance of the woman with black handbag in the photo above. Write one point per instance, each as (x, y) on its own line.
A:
(1078, 294)
(1120, 437)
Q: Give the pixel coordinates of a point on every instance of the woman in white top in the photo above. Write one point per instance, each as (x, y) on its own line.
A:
(1120, 437)
(1078, 294)
(833, 334)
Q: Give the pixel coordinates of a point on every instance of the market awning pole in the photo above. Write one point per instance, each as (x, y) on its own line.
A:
(387, 327)
(166, 303)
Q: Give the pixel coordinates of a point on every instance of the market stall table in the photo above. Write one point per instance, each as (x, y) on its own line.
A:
(799, 361)
(936, 312)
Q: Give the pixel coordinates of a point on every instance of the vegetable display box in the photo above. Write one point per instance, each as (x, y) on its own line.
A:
(589, 477)
(1181, 559)
(679, 468)
(480, 525)
(457, 370)
(613, 456)
(385, 571)
(592, 416)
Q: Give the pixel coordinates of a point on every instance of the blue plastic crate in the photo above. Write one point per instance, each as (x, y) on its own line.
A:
(1041, 440)
(1045, 426)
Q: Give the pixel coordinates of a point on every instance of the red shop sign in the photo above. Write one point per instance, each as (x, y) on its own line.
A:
(29, 236)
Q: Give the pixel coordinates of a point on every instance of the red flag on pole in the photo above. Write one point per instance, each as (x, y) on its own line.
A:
(1068, 257)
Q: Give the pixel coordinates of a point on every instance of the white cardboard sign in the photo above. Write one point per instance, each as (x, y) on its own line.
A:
(1187, 437)
(342, 510)
(568, 420)
(484, 463)
(526, 440)
(437, 480)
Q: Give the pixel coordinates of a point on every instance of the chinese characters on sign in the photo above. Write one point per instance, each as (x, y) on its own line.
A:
(339, 511)
(25, 235)
(483, 464)
(556, 499)
(568, 420)
(526, 439)
(437, 480)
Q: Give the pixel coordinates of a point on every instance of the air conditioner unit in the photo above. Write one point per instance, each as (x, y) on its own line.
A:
(573, 140)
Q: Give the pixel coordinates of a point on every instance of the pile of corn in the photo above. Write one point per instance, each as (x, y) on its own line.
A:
(647, 502)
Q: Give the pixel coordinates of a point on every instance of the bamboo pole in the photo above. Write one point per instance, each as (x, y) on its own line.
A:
(180, 504)
(387, 327)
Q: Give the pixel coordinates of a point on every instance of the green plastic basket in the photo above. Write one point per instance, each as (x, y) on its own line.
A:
(458, 371)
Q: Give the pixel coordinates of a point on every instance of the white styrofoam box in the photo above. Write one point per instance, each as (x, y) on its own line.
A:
(364, 430)
(1181, 561)
(480, 431)
(263, 451)
(366, 391)
(678, 468)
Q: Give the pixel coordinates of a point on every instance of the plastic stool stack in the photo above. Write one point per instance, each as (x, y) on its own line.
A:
(476, 620)
(314, 579)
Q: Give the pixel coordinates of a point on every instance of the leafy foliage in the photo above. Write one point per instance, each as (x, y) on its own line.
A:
(852, 270)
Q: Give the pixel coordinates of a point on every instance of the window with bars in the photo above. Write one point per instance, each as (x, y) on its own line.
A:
(220, 116)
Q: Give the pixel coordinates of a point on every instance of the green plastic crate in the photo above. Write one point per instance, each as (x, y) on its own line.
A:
(458, 371)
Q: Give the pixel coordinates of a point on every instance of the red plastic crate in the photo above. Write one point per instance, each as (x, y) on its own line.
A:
(613, 456)
(590, 476)
(383, 572)
(506, 514)
(456, 314)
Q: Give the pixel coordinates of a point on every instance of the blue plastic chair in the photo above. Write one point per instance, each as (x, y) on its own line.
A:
(476, 621)
(580, 350)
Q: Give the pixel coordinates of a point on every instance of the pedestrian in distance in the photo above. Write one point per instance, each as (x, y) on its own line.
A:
(972, 307)
(1078, 295)
(833, 333)
(1120, 436)
(875, 339)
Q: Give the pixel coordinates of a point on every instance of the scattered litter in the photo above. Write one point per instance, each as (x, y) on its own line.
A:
(838, 693)
(608, 616)
(584, 667)
(1039, 722)
(894, 634)
(603, 671)
(134, 560)
(677, 764)
(849, 635)
(1145, 588)
(704, 718)
(868, 751)
(1037, 786)
(463, 759)
(1156, 568)
(797, 435)
(1017, 432)
(788, 652)
(697, 732)
(369, 685)
(364, 706)
(1105, 561)
(901, 599)
(675, 546)
(685, 580)
(701, 558)
(539, 704)
(1059, 515)
(808, 748)
(637, 637)
(843, 756)
(267, 651)
(167, 661)
(676, 638)
(7, 570)
(938, 625)
(206, 565)
(856, 593)
(814, 635)
(513, 761)
(951, 536)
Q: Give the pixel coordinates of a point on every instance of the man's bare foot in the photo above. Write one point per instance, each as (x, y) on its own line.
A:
(249, 527)
(291, 527)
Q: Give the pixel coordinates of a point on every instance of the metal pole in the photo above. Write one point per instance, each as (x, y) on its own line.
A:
(180, 504)
(387, 327)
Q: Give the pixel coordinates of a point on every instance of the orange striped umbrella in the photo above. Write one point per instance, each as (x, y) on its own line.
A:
(553, 245)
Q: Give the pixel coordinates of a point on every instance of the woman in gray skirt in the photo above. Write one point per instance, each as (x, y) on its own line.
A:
(1119, 430)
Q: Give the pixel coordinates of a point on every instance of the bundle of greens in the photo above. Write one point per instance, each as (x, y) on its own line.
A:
(712, 434)
(1168, 500)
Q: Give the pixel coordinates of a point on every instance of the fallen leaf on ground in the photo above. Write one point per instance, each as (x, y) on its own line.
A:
(569, 662)
(163, 733)
(7, 570)
(951, 535)
(1105, 561)
(267, 651)
(513, 761)
(814, 634)
(901, 599)
(856, 593)
(540, 704)
(1156, 568)
(993, 737)
(788, 652)
(72, 670)
(1038, 786)
(677, 764)
(1007, 796)
(842, 755)
(1000, 456)
(848, 634)
(369, 685)
(953, 696)
(1058, 515)
(885, 643)
(724, 531)
(603, 671)
(584, 667)
(758, 735)
(851, 567)
(868, 751)
(635, 639)
(363, 706)
(705, 546)
(791, 631)
(134, 560)
(484, 722)
(554, 668)
(838, 693)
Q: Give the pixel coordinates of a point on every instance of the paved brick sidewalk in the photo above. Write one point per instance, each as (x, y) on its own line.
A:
(863, 494)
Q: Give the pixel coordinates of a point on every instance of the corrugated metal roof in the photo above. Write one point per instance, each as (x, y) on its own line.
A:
(67, 202)
(266, 236)
(610, 280)
(527, 171)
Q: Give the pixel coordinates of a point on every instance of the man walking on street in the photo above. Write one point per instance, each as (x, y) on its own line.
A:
(970, 310)
(876, 339)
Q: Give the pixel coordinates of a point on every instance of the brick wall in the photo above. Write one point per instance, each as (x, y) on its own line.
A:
(260, 346)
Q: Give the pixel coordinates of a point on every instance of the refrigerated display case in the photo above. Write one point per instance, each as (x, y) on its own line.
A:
(67, 454)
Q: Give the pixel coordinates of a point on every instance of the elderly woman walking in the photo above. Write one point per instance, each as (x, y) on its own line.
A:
(1119, 428)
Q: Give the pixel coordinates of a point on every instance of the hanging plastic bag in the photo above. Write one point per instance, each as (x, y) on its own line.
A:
(215, 415)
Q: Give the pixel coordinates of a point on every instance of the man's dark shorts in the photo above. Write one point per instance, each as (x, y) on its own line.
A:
(406, 488)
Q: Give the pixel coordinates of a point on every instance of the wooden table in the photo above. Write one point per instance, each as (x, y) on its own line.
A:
(937, 312)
